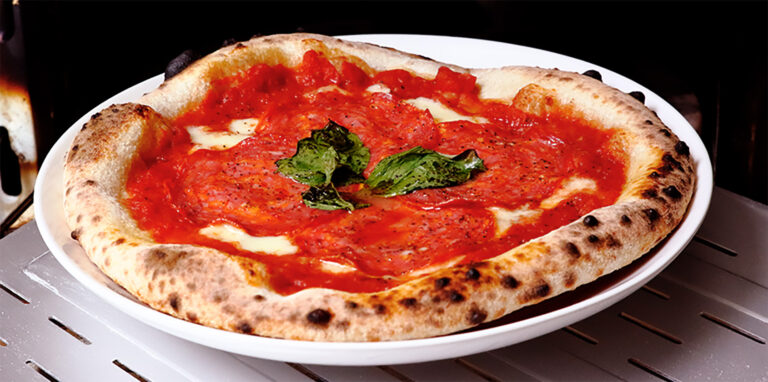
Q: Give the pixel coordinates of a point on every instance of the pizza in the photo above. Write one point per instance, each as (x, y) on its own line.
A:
(304, 187)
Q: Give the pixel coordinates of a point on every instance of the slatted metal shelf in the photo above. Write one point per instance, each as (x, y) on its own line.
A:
(704, 318)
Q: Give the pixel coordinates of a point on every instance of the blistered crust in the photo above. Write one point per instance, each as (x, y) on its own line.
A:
(209, 287)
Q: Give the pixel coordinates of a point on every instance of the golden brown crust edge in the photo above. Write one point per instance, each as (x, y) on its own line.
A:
(209, 287)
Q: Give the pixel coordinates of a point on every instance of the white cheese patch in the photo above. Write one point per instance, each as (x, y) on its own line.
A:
(239, 129)
(570, 187)
(378, 88)
(506, 218)
(334, 267)
(272, 245)
(246, 126)
(440, 112)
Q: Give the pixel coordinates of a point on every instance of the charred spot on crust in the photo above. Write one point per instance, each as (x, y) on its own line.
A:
(666, 169)
(638, 96)
(408, 302)
(612, 242)
(668, 158)
(652, 214)
(455, 296)
(650, 193)
(351, 305)
(191, 317)
(626, 220)
(593, 239)
(682, 148)
(89, 182)
(648, 122)
(666, 132)
(654, 175)
(180, 62)
(572, 250)
(142, 110)
(594, 74)
(476, 316)
(174, 301)
(244, 327)
(319, 317)
(380, 309)
(442, 282)
(570, 279)
(510, 282)
(590, 221)
(537, 291)
(672, 192)
(259, 297)
(76, 233)
(118, 241)
(472, 274)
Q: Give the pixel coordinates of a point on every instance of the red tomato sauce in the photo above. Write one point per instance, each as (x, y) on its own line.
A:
(173, 194)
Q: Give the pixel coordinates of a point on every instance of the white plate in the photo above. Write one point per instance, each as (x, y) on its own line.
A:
(520, 326)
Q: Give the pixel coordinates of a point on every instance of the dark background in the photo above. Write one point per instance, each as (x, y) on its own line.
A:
(706, 58)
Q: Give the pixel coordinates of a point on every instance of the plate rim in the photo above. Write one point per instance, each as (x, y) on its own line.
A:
(393, 351)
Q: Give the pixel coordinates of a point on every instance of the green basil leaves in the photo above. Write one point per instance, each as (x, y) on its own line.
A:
(419, 168)
(333, 157)
(330, 157)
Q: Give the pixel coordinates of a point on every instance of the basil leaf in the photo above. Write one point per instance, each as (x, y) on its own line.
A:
(326, 197)
(420, 168)
(331, 154)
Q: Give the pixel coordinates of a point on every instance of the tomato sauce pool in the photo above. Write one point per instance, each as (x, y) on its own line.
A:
(179, 189)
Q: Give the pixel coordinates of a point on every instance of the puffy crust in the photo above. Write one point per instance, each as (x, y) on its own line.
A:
(212, 288)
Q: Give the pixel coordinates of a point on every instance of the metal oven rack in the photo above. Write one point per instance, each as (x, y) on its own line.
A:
(703, 318)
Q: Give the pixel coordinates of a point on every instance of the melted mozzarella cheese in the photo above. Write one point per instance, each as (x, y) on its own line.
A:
(334, 267)
(440, 112)
(377, 88)
(239, 129)
(244, 126)
(272, 245)
(506, 218)
(570, 187)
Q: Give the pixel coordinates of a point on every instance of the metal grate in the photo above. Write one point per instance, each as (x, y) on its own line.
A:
(704, 317)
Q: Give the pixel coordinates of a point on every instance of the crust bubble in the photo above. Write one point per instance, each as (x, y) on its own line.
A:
(319, 316)
(590, 221)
